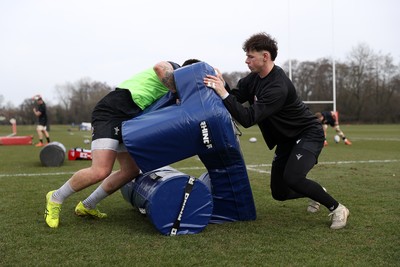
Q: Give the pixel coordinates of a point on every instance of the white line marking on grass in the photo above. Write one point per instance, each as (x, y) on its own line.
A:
(359, 161)
(375, 139)
(36, 174)
(250, 167)
(255, 168)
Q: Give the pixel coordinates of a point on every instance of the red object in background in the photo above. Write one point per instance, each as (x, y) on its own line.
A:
(16, 140)
(79, 153)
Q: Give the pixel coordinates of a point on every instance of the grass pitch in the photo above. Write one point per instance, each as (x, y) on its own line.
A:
(364, 177)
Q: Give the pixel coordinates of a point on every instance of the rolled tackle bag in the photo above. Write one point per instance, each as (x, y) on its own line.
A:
(53, 154)
(175, 203)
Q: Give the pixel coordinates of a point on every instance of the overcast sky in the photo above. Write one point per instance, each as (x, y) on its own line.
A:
(45, 43)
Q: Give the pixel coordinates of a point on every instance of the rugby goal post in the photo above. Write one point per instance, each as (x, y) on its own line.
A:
(333, 101)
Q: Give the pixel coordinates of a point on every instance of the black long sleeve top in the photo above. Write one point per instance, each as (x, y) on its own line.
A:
(274, 106)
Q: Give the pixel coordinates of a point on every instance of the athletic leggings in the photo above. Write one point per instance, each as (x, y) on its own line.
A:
(291, 164)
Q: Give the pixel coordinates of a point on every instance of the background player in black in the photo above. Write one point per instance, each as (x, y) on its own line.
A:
(41, 113)
(285, 122)
(331, 118)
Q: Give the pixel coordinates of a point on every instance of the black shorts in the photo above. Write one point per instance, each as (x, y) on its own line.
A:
(312, 142)
(329, 119)
(109, 113)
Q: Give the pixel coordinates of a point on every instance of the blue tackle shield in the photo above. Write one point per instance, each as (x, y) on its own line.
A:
(167, 132)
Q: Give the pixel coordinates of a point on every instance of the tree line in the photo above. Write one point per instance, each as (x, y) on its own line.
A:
(367, 90)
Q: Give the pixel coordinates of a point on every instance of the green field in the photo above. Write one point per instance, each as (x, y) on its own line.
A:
(365, 177)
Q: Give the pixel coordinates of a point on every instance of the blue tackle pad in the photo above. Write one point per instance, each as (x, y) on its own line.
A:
(167, 132)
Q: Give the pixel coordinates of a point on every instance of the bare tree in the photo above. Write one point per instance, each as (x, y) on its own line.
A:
(232, 78)
(367, 90)
(304, 79)
(358, 83)
(79, 98)
(1, 101)
(382, 89)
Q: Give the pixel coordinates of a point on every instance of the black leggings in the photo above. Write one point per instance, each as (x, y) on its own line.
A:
(290, 166)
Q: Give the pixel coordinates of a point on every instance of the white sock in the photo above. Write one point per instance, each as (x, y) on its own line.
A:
(98, 195)
(62, 193)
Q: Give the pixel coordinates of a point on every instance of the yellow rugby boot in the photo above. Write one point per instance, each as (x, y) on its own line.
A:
(52, 211)
(81, 210)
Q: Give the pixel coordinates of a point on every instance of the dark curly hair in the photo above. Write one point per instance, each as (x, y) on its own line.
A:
(190, 62)
(260, 42)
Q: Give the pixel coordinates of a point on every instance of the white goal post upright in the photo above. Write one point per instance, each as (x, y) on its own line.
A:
(333, 101)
